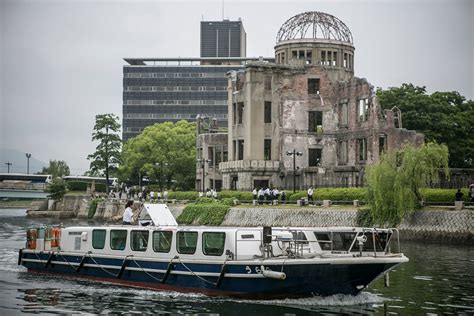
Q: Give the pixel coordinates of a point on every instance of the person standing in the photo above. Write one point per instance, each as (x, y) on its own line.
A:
(165, 196)
(260, 196)
(283, 197)
(152, 196)
(459, 195)
(310, 194)
(128, 214)
(254, 194)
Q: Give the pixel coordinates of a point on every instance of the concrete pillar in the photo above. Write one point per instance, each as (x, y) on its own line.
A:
(355, 203)
(326, 203)
(458, 205)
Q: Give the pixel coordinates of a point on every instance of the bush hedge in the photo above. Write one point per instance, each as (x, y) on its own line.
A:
(82, 186)
(443, 195)
(239, 195)
(183, 195)
(333, 194)
(212, 213)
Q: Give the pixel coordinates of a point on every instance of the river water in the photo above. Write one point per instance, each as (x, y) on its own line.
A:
(438, 280)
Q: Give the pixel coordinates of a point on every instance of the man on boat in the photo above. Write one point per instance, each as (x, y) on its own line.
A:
(128, 214)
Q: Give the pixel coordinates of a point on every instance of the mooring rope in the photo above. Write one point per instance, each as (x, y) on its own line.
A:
(151, 276)
(198, 276)
(108, 272)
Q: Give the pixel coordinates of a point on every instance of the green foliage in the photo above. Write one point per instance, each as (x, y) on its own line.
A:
(56, 168)
(239, 195)
(56, 189)
(82, 186)
(203, 214)
(92, 207)
(394, 182)
(442, 195)
(162, 152)
(297, 195)
(183, 195)
(205, 200)
(364, 217)
(444, 117)
(106, 157)
(230, 201)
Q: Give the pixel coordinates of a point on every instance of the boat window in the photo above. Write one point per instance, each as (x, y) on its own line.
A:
(162, 241)
(300, 237)
(139, 240)
(213, 243)
(98, 238)
(187, 242)
(342, 241)
(324, 240)
(118, 239)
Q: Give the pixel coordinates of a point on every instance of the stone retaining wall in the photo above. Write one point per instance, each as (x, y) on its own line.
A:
(443, 225)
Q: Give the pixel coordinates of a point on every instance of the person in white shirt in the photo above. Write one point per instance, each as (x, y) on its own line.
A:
(152, 196)
(254, 193)
(128, 214)
(214, 194)
(165, 195)
(310, 194)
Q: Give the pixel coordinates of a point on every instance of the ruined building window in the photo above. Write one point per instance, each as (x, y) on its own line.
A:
(294, 54)
(362, 145)
(301, 54)
(344, 62)
(240, 112)
(314, 156)
(315, 121)
(282, 58)
(313, 86)
(323, 57)
(344, 114)
(267, 112)
(382, 143)
(268, 82)
(240, 149)
(234, 113)
(267, 149)
(225, 154)
(210, 156)
(334, 58)
(234, 148)
(342, 152)
(363, 110)
(309, 57)
(218, 155)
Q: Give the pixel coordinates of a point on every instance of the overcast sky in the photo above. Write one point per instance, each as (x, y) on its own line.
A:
(61, 61)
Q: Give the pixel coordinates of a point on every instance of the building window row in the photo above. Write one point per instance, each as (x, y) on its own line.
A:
(174, 75)
(172, 88)
(141, 116)
(175, 102)
(315, 122)
(306, 55)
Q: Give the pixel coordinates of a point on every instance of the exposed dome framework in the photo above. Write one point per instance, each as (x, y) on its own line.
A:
(314, 25)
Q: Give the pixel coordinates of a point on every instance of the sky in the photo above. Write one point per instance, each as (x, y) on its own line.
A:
(61, 61)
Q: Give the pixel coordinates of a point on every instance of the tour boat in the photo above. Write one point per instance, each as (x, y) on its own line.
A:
(247, 262)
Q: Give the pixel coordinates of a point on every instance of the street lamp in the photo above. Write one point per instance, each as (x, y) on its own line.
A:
(294, 153)
(202, 163)
(161, 165)
(8, 166)
(28, 156)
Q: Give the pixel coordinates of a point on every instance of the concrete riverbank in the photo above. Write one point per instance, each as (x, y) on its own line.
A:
(437, 225)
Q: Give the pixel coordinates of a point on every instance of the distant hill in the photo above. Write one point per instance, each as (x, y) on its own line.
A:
(19, 161)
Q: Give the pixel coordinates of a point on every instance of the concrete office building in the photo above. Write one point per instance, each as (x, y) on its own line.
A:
(223, 39)
(305, 120)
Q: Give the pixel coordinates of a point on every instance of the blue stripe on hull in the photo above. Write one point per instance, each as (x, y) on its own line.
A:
(301, 280)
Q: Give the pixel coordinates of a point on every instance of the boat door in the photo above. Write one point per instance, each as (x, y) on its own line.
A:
(247, 244)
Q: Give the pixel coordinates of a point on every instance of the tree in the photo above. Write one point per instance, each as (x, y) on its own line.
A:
(394, 182)
(444, 117)
(56, 189)
(107, 154)
(56, 168)
(162, 151)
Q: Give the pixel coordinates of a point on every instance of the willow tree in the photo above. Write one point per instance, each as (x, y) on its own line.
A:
(108, 152)
(394, 182)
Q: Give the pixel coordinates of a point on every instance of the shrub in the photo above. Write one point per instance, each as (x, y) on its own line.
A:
(239, 195)
(442, 195)
(205, 200)
(82, 186)
(183, 195)
(229, 201)
(364, 217)
(203, 214)
(92, 207)
(57, 189)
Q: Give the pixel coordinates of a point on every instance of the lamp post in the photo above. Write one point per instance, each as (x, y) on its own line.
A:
(28, 156)
(161, 165)
(202, 163)
(294, 153)
(8, 166)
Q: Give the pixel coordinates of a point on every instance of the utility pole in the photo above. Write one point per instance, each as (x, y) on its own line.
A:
(294, 153)
(203, 164)
(28, 156)
(8, 166)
